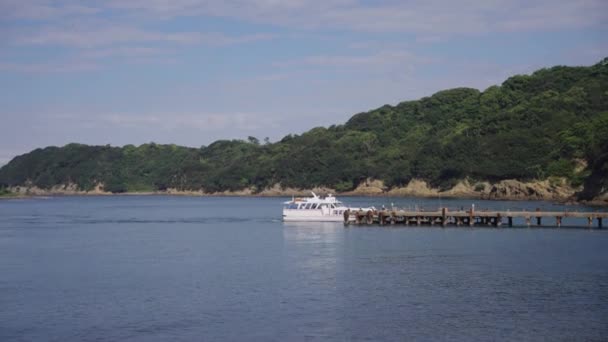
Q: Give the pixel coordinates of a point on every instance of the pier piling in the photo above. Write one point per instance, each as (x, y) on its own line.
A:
(471, 218)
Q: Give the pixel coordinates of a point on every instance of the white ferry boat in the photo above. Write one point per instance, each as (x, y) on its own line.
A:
(316, 209)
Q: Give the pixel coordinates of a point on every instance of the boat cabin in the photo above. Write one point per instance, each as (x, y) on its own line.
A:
(310, 206)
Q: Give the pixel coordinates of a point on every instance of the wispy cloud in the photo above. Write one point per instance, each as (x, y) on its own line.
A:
(99, 37)
(124, 51)
(548, 15)
(378, 60)
(55, 67)
(111, 35)
(117, 28)
(207, 122)
(82, 36)
(44, 9)
(420, 16)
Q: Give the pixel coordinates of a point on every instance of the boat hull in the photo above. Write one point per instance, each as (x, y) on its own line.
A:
(310, 216)
(313, 218)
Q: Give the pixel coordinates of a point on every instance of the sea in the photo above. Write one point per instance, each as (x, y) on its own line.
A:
(169, 268)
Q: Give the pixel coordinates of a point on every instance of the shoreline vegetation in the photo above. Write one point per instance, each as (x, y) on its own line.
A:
(540, 136)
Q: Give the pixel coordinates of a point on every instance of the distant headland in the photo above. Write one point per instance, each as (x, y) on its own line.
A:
(538, 136)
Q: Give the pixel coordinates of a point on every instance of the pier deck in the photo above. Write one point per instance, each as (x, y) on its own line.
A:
(472, 217)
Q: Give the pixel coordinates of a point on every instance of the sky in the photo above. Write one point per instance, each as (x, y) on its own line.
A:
(190, 72)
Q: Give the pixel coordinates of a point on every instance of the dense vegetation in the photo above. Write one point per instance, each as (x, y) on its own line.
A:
(553, 122)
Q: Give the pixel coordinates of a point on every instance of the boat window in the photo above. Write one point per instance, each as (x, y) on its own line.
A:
(332, 206)
(302, 205)
(308, 205)
(314, 206)
(293, 206)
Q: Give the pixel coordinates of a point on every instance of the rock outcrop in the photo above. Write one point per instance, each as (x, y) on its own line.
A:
(554, 189)
(538, 190)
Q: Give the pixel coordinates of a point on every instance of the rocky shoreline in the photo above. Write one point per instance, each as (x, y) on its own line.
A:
(557, 190)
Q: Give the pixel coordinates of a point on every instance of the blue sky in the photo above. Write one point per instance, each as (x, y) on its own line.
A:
(190, 72)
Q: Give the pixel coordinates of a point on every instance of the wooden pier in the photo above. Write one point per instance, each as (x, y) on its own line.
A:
(470, 218)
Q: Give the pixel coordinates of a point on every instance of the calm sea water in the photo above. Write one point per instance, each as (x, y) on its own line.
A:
(227, 269)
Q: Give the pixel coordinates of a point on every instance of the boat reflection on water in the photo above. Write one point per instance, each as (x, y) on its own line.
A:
(319, 227)
(313, 247)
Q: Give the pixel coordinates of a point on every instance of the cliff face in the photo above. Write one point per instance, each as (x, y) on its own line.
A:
(29, 189)
(557, 189)
(596, 185)
(545, 190)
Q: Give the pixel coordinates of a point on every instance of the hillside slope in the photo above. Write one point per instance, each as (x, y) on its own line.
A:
(552, 123)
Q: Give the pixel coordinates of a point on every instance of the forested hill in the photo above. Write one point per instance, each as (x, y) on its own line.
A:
(552, 123)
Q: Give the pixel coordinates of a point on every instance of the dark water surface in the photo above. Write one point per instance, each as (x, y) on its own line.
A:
(227, 269)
